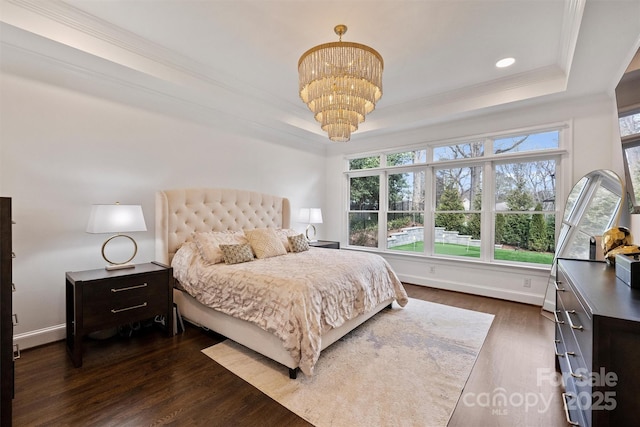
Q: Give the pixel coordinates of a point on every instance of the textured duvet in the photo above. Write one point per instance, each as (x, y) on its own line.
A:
(297, 296)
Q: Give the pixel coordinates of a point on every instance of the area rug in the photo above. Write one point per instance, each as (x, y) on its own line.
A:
(403, 367)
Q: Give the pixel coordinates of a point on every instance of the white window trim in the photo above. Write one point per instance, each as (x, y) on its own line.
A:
(488, 160)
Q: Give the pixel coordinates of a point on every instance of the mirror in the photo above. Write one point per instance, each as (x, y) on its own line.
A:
(628, 104)
(595, 204)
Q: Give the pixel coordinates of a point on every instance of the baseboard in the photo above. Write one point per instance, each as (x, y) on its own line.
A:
(505, 294)
(40, 336)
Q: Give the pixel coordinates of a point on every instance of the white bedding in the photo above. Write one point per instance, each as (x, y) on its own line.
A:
(297, 296)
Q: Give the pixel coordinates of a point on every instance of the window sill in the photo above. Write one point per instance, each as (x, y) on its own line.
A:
(470, 262)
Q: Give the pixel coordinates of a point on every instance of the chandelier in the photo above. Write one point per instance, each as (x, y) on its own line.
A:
(340, 82)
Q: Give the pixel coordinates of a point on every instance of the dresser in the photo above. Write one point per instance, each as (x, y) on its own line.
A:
(597, 340)
(103, 299)
(6, 312)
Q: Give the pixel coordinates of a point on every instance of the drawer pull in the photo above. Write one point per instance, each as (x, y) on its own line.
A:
(579, 327)
(557, 285)
(574, 375)
(555, 346)
(15, 319)
(144, 285)
(555, 315)
(16, 351)
(566, 409)
(114, 310)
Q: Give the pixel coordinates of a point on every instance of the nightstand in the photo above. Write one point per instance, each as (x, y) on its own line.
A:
(325, 244)
(102, 299)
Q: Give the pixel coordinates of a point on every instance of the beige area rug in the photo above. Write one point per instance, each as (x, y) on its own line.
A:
(404, 367)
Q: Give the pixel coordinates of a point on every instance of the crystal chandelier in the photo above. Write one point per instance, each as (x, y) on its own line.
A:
(340, 82)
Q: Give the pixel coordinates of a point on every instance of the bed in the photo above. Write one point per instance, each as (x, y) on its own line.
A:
(287, 307)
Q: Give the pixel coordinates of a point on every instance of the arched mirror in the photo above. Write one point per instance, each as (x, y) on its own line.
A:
(628, 102)
(595, 204)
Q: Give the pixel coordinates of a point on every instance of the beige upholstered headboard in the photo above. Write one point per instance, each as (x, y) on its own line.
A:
(181, 212)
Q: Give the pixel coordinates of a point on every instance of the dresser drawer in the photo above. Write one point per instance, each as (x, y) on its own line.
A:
(578, 322)
(109, 303)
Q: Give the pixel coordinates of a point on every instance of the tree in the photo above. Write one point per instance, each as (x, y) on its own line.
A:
(474, 224)
(538, 240)
(516, 227)
(450, 201)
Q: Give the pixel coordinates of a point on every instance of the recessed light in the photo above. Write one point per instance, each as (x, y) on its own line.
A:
(505, 62)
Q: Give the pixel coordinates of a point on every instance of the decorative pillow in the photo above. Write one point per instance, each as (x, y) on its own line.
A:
(284, 234)
(265, 243)
(298, 243)
(235, 254)
(208, 243)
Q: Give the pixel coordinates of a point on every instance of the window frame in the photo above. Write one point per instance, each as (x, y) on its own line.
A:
(488, 163)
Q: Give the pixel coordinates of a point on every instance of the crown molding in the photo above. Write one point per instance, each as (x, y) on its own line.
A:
(105, 40)
(571, 21)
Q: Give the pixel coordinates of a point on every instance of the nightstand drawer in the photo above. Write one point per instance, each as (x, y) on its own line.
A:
(108, 303)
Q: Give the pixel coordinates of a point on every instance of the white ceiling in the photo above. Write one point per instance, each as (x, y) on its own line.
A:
(234, 63)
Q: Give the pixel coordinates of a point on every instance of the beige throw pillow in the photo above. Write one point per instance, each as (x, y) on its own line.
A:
(265, 243)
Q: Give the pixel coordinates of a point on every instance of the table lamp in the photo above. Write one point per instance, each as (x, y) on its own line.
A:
(117, 219)
(310, 216)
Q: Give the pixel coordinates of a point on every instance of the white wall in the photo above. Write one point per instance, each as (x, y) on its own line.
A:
(593, 145)
(62, 151)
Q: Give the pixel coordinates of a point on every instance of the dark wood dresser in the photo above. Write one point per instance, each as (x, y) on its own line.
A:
(597, 343)
(102, 299)
(6, 313)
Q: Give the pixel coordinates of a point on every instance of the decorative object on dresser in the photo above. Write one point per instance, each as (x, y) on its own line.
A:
(330, 244)
(597, 340)
(628, 269)
(117, 219)
(8, 352)
(263, 303)
(101, 299)
(310, 216)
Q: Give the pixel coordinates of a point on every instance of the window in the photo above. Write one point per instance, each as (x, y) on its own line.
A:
(525, 211)
(630, 133)
(490, 199)
(629, 124)
(363, 211)
(458, 207)
(405, 217)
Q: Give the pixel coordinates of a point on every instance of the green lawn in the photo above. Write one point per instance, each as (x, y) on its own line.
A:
(474, 252)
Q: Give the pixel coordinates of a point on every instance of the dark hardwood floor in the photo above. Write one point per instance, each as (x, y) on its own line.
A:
(150, 380)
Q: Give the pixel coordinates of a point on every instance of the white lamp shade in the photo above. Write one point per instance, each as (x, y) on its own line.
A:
(116, 219)
(310, 215)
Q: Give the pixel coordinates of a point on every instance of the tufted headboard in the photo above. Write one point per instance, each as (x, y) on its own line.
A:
(181, 212)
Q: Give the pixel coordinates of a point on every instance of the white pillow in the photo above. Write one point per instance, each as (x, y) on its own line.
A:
(265, 242)
(209, 242)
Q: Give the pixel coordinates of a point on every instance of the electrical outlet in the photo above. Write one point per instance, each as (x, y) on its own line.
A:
(527, 282)
(432, 269)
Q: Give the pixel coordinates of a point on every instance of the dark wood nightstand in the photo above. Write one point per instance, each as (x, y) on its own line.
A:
(325, 244)
(102, 299)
